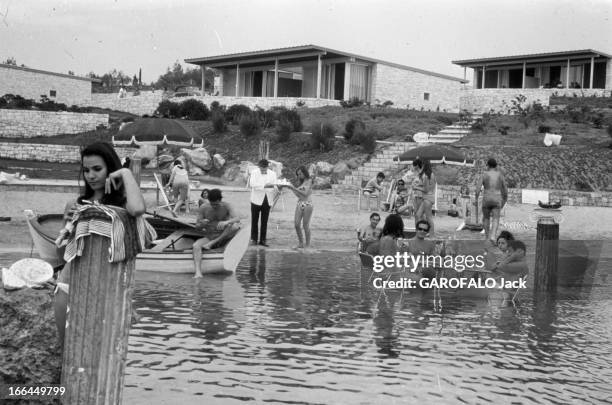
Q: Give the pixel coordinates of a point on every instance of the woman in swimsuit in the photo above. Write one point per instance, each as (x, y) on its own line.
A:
(304, 208)
(425, 208)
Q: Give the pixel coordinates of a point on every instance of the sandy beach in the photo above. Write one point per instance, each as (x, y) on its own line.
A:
(334, 221)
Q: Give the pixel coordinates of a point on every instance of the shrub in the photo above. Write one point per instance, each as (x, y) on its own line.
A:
(444, 119)
(20, 102)
(503, 129)
(249, 125)
(293, 117)
(215, 106)
(352, 102)
(322, 136)
(266, 117)
(598, 120)
(193, 109)
(387, 103)
(283, 130)
(358, 133)
(168, 109)
(368, 141)
(218, 121)
(3, 102)
(543, 129)
(477, 125)
(351, 126)
(234, 113)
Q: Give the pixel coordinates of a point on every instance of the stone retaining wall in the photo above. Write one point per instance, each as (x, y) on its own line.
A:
(147, 102)
(446, 194)
(49, 153)
(498, 100)
(31, 123)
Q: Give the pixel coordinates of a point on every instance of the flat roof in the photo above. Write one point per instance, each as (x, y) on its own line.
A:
(533, 57)
(27, 69)
(300, 53)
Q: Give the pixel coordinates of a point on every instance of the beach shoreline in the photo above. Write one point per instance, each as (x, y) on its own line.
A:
(334, 222)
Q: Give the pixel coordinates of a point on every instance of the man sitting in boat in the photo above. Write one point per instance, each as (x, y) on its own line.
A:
(218, 220)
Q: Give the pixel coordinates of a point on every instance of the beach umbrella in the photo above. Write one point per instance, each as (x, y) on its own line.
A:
(436, 154)
(158, 131)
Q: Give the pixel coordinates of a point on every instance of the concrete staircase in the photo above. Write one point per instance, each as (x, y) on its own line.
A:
(382, 161)
(452, 133)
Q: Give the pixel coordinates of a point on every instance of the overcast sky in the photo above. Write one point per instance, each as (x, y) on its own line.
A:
(100, 35)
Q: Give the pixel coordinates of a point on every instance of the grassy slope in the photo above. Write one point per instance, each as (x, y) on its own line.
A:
(581, 162)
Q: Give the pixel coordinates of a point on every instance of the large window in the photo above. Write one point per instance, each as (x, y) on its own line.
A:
(358, 86)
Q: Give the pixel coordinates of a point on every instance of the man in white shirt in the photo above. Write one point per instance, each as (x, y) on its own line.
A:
(262, 182)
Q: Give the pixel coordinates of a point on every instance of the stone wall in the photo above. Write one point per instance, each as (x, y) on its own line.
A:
(265, 102)
(49, 153)
(446, 194)
(498, 100)
(407, 88)
(147, 102)
(144, 103)
(30, 123)
(32, 84)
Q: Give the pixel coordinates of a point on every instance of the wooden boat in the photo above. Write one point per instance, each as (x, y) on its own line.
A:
(174, 257)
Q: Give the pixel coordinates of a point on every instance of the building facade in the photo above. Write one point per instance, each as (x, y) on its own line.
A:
(314, 72)
(537, 77)
(34, 84)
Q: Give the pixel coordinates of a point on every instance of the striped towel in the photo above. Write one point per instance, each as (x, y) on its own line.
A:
(129, 235)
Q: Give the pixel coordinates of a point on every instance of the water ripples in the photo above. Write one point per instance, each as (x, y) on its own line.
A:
(291, 328)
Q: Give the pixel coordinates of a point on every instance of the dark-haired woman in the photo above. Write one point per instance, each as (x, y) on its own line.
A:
(108, 183)
(304, 207)
(392, 231)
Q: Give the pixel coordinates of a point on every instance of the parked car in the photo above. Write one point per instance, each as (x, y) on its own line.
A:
(185, 91)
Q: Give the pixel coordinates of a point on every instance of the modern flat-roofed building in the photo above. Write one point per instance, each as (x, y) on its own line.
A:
(315, 73)
(536, 76)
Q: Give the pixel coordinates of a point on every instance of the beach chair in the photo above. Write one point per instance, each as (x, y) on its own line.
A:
(370, 197)
(161, 191)
(167, 204)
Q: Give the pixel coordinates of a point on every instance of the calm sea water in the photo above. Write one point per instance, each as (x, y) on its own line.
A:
(292, 328)
(310, 329)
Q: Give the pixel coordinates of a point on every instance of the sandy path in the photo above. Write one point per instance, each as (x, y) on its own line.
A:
(334, 221)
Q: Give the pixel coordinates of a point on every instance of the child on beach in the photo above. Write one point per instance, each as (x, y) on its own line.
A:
(106, 182)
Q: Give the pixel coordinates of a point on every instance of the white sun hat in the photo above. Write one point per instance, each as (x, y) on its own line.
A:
(28, 272)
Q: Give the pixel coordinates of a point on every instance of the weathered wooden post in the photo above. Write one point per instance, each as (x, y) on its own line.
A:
(547, 255)
(135, 169)
(97, 326)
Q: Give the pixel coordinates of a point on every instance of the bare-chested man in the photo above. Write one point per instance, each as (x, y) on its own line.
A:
(494, 198)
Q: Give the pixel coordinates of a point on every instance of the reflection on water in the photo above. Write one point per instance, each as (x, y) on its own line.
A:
(307, 328)
(310, 328)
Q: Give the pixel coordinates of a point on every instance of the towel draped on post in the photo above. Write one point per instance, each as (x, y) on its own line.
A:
(128, 235)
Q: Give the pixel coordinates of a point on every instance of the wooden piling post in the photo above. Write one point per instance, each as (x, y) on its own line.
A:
(547, 255)
(135, 168)
(97, 327)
